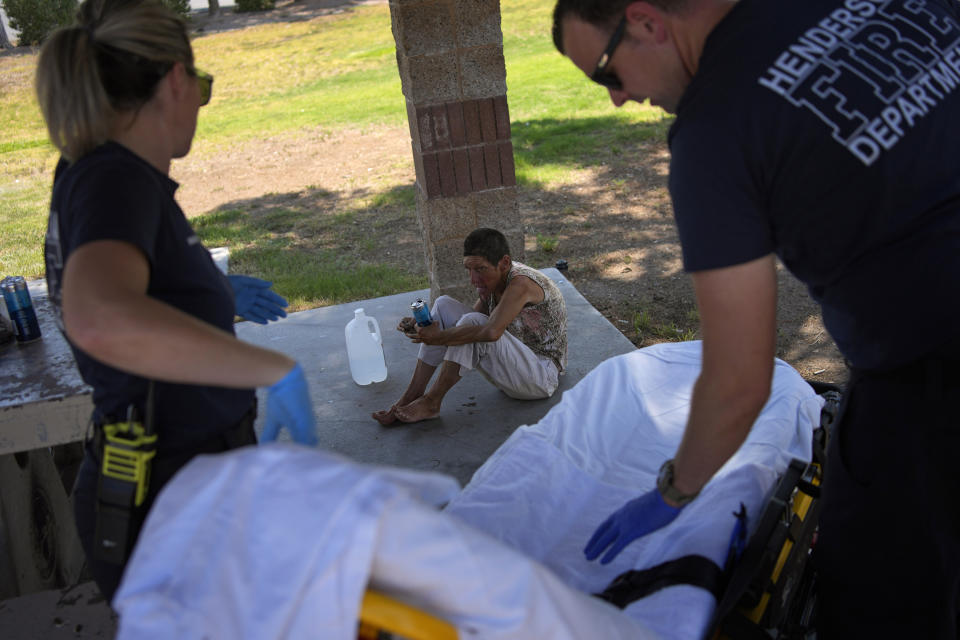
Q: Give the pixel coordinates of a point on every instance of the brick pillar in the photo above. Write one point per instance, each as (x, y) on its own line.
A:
(450, 56)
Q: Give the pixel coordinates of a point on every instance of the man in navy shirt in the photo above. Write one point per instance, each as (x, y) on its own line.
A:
(825, 133)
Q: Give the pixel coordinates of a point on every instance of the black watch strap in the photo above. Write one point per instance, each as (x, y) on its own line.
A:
(666, 488)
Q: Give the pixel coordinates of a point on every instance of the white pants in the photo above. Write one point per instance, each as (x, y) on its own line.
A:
(508, 364)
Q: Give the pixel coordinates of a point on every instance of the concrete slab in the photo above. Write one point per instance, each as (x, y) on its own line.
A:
(475, 420)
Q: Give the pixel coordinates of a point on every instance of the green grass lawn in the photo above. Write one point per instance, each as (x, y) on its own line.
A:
(332, 72)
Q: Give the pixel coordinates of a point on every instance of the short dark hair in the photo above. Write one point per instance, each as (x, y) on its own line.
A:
(601, 13)
(488, 244)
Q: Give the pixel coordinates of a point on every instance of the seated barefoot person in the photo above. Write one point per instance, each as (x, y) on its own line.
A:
(515, 333)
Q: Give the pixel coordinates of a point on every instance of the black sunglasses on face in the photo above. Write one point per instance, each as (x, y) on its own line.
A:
(600, 75)
(205, 82)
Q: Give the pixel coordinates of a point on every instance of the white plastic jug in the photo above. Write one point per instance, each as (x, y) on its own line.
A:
(365, 349)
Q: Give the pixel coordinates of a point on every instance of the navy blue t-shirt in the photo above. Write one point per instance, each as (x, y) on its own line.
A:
(829, 132)
(112, 194)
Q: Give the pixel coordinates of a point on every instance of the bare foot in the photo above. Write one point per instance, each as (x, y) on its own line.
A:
(420, 409)
(387, 417)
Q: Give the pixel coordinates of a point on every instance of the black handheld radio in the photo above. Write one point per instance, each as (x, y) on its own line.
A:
(128, 448)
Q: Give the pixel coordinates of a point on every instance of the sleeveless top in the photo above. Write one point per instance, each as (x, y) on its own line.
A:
(543, 326)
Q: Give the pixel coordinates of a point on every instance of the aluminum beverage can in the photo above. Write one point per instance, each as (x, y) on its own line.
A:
(421, 313)
(17, 297)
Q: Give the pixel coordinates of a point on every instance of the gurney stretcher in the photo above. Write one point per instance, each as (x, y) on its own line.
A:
(284, 542)
(768, 593)
(766, 590)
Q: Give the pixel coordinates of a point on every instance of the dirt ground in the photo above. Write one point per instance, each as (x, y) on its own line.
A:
(613, 225)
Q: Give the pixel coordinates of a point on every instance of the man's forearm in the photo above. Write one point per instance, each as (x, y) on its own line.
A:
(722, 412)
(738, 310)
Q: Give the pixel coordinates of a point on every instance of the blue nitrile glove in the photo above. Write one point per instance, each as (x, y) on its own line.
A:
(288, 405)
(255, 301)
(633, 520)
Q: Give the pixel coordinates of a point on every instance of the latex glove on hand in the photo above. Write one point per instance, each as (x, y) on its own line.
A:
(288, 405)
(255, 301)
(633, 520)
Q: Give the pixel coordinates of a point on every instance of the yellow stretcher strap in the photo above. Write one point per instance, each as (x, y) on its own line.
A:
(799, 508)
(379, 612)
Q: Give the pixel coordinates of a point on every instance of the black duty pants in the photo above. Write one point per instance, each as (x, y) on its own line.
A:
(888, 554)
(163, 467)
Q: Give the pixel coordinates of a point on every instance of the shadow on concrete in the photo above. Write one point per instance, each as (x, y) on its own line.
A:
(475, 418)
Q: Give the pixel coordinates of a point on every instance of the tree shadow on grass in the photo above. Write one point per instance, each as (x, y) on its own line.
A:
(547, 147)
(229, 19)
(18, 52)
(351, 230)
(616, 232)
(321, 247)
(615, 229)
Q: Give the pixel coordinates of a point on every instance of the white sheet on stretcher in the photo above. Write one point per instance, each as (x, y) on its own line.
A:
(548, 487)
(281, 541)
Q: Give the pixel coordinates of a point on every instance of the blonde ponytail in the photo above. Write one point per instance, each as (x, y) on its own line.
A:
(106, 65)
(75, 105)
